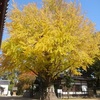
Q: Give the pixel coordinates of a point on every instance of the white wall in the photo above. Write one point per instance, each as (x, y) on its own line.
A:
(5, 92)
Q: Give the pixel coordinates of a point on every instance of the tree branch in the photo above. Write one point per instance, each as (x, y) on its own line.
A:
(35, 73)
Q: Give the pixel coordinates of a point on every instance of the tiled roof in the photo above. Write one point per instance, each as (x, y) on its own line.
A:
(4, 82)
(3, 9)
(81, 78)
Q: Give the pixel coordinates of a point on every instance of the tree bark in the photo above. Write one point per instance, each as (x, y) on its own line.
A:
(48, 93)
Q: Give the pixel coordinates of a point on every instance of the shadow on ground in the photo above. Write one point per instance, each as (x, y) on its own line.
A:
(22, 98)
(15, 98)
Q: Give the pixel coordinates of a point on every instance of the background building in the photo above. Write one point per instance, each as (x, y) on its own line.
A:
(4, 84)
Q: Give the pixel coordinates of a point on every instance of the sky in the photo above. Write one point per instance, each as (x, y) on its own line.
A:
(89, 7)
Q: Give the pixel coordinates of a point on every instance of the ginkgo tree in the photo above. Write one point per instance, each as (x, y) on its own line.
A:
(49, 40)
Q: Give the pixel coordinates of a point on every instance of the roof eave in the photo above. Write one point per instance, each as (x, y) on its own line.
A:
(3, 5)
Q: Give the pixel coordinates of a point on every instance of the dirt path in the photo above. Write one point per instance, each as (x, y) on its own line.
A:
(82, 99)
(21, 98)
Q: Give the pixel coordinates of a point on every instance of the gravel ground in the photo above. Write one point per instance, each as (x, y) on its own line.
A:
(14, 98)
(82, 99)
(21, 98)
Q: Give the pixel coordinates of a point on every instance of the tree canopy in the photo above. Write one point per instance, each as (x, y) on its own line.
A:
(96, 65)
(51, 39)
